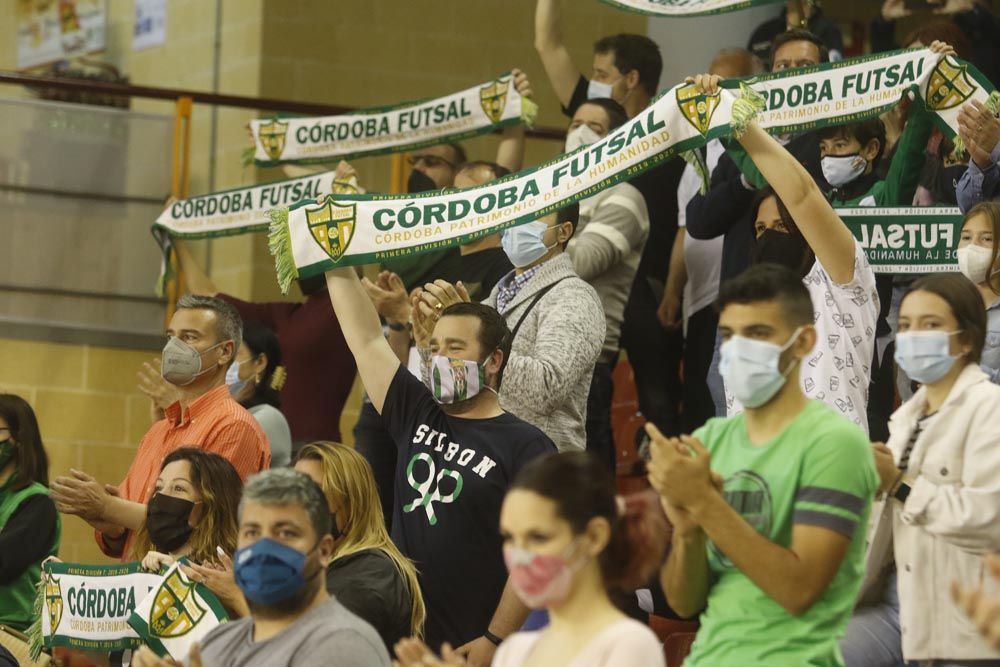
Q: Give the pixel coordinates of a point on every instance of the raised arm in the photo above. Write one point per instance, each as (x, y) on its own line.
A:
(558, 64)
(197, 280)
(377, 364)
(820, 225)
(510, 152)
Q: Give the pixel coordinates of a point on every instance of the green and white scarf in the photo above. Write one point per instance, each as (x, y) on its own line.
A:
(237, 211)
(115, 607)
(907, 240)
(308, 239)
(87, 607)
(468, 113)
(176, 615)
(686, 7)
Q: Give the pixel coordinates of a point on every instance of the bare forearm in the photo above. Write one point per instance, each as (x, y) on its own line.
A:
(790, 180)
(510, 153)
(125, 513)
(556, 60)
(510, 615)
(197, 280)
(774, 569)
(685, 576)
(399, 341)
(677, 274)
(358, 318)
(547, 25)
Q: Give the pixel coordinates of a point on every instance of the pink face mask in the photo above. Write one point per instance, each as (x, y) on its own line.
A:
(541, 580)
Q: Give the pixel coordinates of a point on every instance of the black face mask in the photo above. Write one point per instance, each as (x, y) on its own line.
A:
(310, 286)
(167, 522)
(776, 247)
(420, 182)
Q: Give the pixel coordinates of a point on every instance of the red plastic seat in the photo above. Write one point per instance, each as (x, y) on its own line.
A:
(677, 647)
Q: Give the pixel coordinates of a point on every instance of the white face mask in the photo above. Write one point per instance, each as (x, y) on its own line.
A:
(925, 355)
(841, 170)
(975, 261)
(597, 89)
(750, 369)
(583, 135)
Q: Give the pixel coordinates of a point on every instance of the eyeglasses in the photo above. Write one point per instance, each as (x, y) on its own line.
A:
(429, 161)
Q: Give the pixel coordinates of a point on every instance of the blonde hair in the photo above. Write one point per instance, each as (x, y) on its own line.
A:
(991, 209)
(348, 478)
(220, 488)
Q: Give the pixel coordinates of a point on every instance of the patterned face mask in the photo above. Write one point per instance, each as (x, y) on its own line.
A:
(454, 380)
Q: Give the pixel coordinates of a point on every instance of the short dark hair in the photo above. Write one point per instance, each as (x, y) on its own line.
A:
(571, 214)
(769, 282)
(229, 324)
(285, 486)
(799, 35)
(461, 157)
(30, 460)
(864, 131)
(498, 170)
(261, 340)
(944, 31)
(635, 52)
(617, 116)
(583, 488)
(494, 334)
(966, 305)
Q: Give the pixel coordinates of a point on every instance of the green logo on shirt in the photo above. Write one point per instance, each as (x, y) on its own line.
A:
(427, 498)
(747, 493)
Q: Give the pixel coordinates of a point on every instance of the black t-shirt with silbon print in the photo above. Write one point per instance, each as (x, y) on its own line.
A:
(451, 477)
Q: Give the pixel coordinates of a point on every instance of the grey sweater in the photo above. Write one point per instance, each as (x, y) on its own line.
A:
(547, 378)
(606, 250)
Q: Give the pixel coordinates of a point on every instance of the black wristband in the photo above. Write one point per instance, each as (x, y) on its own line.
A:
(493, 638)
(902, 492)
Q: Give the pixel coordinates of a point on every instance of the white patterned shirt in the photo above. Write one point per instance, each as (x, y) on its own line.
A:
(838, 370)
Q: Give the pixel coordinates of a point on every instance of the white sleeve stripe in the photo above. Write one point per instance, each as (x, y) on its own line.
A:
(641, 215)
(611, 234)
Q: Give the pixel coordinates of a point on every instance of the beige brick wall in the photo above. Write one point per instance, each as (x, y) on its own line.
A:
(367, 53)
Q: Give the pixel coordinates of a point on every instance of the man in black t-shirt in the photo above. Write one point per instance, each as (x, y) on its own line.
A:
(458, 453)
(627, 69)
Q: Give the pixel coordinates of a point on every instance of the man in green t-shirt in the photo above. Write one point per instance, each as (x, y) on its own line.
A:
(769, 507)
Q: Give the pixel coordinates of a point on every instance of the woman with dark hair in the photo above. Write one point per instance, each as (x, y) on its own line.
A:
(940, 481)
(568, 541)
(977, 260)
(193, 511)
(255, 379)
(29, 524)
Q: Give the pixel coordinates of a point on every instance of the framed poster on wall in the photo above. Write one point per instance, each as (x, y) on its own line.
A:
(51, 30)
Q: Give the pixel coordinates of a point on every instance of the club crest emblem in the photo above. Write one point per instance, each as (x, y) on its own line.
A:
(272, 138)
(493, 98)
(332, 226)
(53, 600)
(949, 86)
(697, 107)
(176, 609)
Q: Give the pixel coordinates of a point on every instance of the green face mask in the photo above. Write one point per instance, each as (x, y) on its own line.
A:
(6, 451)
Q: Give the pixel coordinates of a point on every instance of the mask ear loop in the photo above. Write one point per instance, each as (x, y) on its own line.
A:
(791, 341)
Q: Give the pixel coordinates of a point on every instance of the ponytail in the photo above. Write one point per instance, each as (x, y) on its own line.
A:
(638, 542)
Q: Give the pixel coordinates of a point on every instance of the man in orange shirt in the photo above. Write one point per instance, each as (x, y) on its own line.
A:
(204, 334)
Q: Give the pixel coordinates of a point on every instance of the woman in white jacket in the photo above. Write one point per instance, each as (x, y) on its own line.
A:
(940, 475)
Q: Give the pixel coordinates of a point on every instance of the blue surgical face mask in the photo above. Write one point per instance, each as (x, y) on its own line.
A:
(524, 245)
(268, 572)
(750, 368)
(925, 356)
(236, 385)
